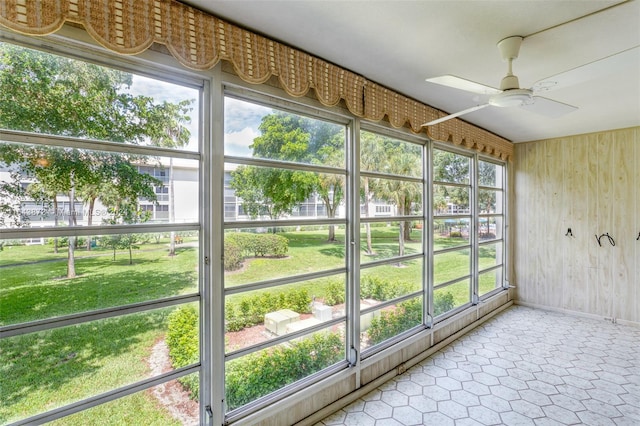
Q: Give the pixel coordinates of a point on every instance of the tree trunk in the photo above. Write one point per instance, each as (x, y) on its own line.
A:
(130, 255)
(331, 213)
(401, 231)
(172, 212)
(92, 203)
(367, 196)
(71, 262)
(401, 238)
(407, 228)
(55, 222)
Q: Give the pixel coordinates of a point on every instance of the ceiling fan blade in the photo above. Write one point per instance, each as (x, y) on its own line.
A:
(463, 84)
(600, 68)
(549, 107)
(459, 113)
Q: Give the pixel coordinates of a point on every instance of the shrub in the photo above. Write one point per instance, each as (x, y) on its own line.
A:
(406, 315)
(270, 245)
(232, 255)
(442, 303)
(260, 373)
(250, 310)
(393, 322)
(377, 288)
(239, 245)
(455, 234)
(182, 340)
(335, 293)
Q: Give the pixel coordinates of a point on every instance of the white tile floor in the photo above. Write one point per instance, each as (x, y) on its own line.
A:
(524, 367)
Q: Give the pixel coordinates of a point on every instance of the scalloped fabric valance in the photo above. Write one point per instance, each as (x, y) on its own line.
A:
(199, 41)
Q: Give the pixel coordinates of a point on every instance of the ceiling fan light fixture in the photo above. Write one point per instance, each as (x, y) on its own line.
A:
(512, 98)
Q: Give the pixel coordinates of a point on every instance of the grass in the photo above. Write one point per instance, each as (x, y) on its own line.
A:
(41, 290)
(48, 369)
(44, 370)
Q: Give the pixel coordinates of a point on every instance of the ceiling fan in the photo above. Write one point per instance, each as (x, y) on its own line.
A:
(510, 94)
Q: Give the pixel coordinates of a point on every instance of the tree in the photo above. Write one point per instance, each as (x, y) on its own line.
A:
(289, 137)
(400, 192)
(11, 192)
(372, 156)
(385, 155)
(167, 128)
(51, 94)
(453, 168)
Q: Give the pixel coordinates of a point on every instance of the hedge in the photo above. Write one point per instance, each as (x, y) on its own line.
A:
(261, 373)
(393, 322)
(182, 340)
(380, 289)
(406, 315)
(250, 310)
(240, 245)
(256, 374)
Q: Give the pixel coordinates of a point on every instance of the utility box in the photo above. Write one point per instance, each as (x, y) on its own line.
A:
(276, 322)
(322, 312)
(301, 325)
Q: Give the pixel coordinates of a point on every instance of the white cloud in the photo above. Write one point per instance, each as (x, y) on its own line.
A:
(237, 143)
(239, 114)
(162, 91)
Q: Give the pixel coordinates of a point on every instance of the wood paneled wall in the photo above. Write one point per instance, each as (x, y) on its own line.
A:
(591, 184)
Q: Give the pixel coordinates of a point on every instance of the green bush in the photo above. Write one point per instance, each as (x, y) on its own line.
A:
(232, 255)
(270, 245)
(261, 373)
(335, 293)
(377, 288)
(182, 340)
(259, 245)
(443, 303)
(407, 314)
(393, 322)
(250, 310)
(240, 245)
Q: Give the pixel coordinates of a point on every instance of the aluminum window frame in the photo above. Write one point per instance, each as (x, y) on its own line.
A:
(424, 292)
(269, 100)
(74, 44)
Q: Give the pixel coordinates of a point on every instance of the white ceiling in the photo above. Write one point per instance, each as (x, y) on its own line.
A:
(400, 43)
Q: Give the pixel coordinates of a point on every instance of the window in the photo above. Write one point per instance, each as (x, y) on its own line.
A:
(452, 231)
(392, 253)
(468, 225)
(491, 226)
(113, 286)
(94, 307)
(285, 262)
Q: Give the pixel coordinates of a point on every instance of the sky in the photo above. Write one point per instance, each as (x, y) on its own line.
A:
(162, 91)
(241, 119)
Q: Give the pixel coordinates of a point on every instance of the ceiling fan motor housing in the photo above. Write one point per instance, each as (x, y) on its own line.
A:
(512, 98)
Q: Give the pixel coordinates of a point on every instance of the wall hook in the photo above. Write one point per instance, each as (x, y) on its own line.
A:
(569, 233)
(609, 237)
(638, 239)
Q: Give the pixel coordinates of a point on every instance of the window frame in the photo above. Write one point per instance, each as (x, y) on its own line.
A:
(155, 66)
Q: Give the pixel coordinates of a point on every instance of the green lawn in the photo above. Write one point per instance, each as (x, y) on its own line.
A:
(48, 369)
(44, 370)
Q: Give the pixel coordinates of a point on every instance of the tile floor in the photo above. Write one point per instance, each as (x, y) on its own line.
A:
(523, 367)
